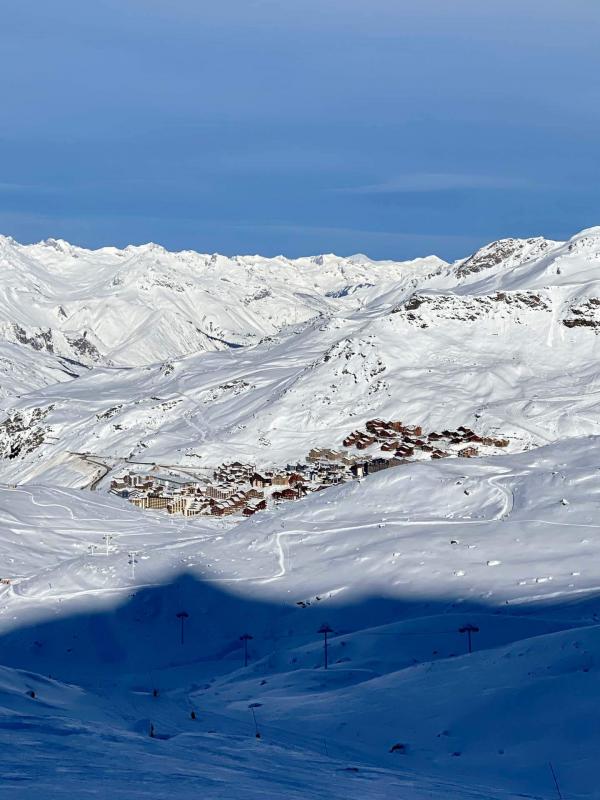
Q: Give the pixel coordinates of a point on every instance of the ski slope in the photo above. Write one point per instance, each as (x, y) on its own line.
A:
(395, 564)
(119, 358)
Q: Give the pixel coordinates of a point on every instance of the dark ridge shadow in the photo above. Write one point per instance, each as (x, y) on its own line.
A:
(143, 632)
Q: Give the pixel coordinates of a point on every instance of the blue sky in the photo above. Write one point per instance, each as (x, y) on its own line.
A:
(387, 127)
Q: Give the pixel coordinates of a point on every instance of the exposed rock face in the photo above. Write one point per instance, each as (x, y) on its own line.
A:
(428, 309)
(22, 432)
(84, 346)
(511, 251)
(39, 340)
(584, 315)
(75, 346)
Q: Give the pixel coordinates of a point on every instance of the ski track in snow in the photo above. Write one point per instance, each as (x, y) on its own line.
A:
(507, 345)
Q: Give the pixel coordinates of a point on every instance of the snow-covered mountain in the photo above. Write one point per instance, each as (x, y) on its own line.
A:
(139, 356)
(505, 341)
(144, 304)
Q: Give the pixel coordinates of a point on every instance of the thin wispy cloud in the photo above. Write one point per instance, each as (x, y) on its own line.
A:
(331, 230)
(8, 188)
(438, 182)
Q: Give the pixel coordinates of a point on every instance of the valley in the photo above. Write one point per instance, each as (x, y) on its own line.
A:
(422, 442)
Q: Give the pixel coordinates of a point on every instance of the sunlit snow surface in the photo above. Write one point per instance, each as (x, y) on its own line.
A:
(396, 564)
(505, 341)
(118, 359)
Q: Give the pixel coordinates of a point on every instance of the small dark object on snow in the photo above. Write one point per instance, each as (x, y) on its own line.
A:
(456, 753)
(182, 616)
(469, 629)
(154, 692)
(152, 732)
(245, 638)
(252, 708)
(31, 693)
(398, 748)
(325, 629)
(193, 715)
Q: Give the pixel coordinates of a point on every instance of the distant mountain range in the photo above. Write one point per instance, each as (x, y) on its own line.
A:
(196, 359)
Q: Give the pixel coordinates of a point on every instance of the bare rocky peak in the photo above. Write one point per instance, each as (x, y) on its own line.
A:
(512, 252)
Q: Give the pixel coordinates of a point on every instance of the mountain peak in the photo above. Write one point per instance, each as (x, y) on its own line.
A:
(506, 253)
(594, 231)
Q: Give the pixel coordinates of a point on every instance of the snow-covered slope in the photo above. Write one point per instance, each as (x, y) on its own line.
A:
(505, 342)
(144, 304)
(395, 564)
(114, 357)
(24, 369)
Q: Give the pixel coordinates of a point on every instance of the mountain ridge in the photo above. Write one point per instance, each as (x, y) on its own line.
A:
(399, 567)
(436, 346)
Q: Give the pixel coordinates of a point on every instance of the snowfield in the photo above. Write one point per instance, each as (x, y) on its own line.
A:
(507, 338)
(396, 563)
(188, 361)
(145, 304)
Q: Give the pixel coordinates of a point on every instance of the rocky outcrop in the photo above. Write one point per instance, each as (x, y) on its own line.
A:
(510, 251)
(22, 432)
(425, 309)
(75, 346)
(584, 315)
